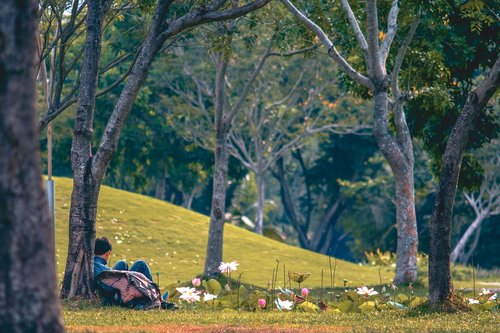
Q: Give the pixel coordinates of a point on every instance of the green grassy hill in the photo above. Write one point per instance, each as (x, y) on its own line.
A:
(173, 241)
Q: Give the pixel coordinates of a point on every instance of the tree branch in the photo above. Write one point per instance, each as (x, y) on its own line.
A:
(332, 51)
(399, 58)
(209, 14)
(373, 47)
(357, 30)
(392, 27)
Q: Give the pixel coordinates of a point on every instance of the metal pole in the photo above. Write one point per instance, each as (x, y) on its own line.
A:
(50, 188)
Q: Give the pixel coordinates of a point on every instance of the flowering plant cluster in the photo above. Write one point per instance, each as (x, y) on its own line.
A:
(209, 293)
(486, 300)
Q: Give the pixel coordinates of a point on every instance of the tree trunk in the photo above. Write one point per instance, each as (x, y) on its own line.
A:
(216, 228)
(310, 206)
(259, 177)
(28, 294)
(79, 263)
(464, 258)
(399, 154)
(406, 221)
(460, 247)
(440, 284)
(160, 187)
(289, 204)
(216, 231)
(327, 224)
(328, 241)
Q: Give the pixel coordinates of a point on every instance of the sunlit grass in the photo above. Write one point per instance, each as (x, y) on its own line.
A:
(78, 317)
(173, 241)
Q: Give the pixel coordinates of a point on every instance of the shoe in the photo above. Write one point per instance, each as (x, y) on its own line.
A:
(169, 306)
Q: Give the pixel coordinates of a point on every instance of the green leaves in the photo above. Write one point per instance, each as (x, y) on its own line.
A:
(212, 286)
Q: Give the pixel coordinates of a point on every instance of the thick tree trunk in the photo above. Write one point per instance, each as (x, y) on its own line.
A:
(79, 264)
(259, 177)
(407, 245)
(460, 247)
(440, 284)
(399, 154)
(28, 295)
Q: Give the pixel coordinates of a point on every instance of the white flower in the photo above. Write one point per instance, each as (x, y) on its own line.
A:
(184, 290)
(485, 291)
(283, 305)
(209, 297)
(228, 267)
(492, 295)
(473, 301)
(366, 292)
(191, 295)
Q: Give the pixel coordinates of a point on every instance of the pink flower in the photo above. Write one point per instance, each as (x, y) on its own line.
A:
(196, 282)
(262, 303)
(305, 292)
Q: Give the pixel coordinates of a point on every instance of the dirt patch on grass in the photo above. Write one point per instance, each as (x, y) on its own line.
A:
(209, 329)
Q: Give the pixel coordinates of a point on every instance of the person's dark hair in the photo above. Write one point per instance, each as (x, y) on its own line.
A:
(102, 245)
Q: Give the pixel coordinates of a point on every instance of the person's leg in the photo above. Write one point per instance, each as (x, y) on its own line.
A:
(121, 265)
(142, 267)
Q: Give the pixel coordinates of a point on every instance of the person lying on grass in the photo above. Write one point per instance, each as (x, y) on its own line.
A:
(102, 252)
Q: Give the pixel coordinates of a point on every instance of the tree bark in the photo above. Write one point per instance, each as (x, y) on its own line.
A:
(407, 244)
(216, 230)
(28, 295)
(79, 263)
(460, 247)
(440, 284)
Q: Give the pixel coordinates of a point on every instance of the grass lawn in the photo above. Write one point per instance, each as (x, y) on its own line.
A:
(93, 318)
